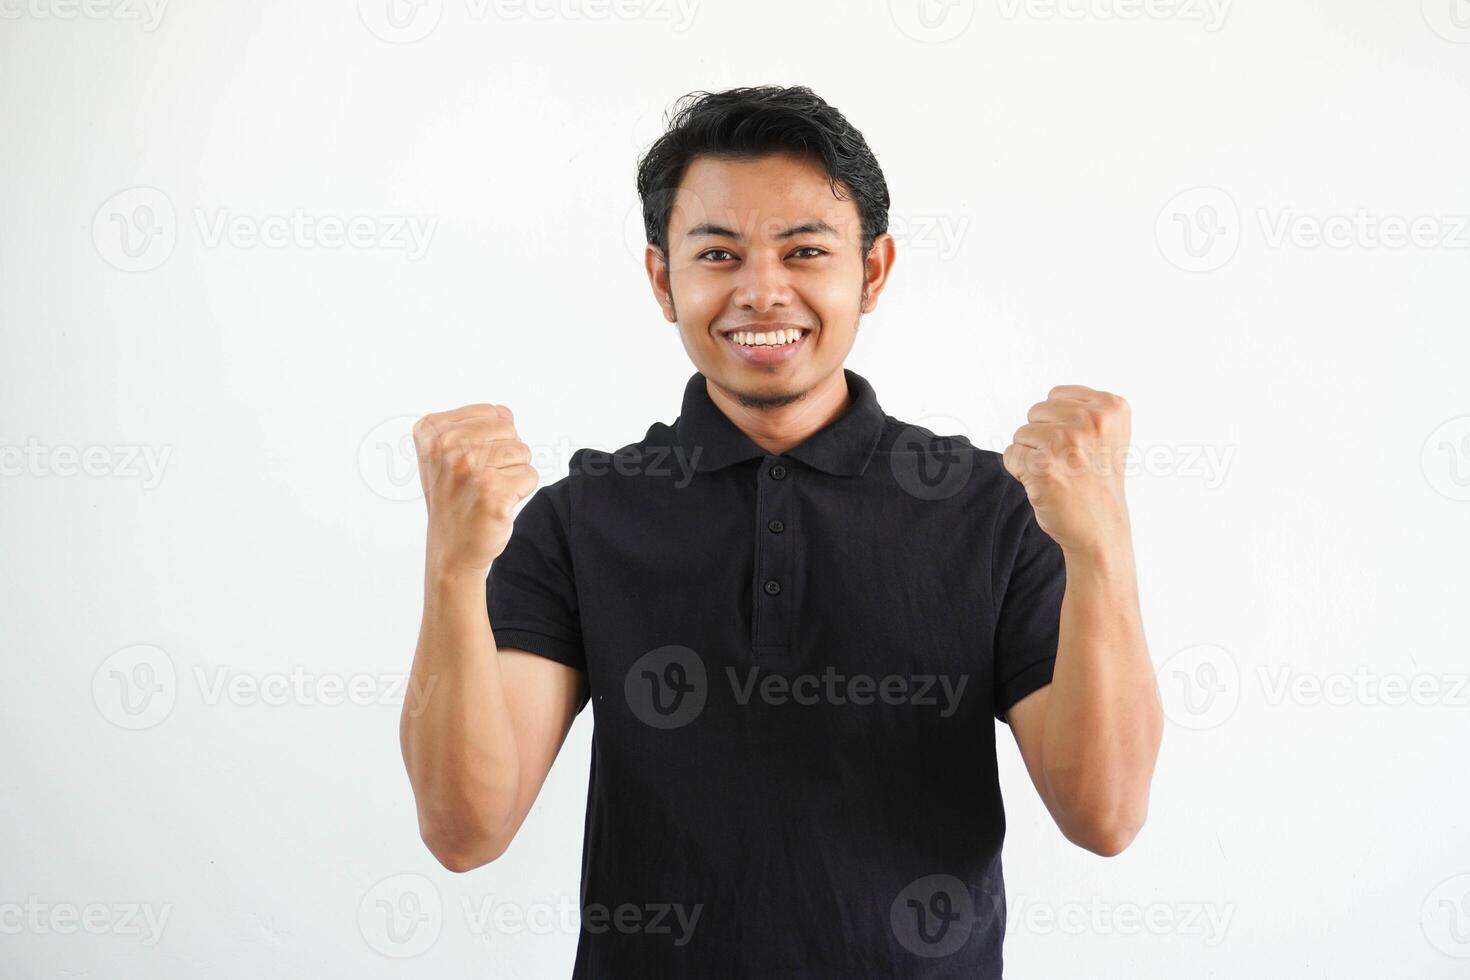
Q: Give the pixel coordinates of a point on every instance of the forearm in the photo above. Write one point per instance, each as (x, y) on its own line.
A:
(1104, 718)
(458, 743)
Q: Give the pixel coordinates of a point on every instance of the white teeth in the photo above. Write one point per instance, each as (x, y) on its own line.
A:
(770, 339)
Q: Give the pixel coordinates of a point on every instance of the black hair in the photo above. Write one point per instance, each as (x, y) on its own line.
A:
(745, 123)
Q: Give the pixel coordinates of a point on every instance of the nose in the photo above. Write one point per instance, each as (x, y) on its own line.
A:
(762, 283)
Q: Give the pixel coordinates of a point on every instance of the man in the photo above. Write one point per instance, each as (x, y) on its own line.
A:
(795, 616)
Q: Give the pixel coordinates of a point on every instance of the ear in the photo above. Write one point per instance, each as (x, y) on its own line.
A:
(657, 268)
(876, 266)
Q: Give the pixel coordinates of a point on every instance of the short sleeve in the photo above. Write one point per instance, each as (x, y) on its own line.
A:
(531, 592)
(1032, 577)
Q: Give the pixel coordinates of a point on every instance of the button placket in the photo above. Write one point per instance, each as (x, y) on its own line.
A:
(771, 617)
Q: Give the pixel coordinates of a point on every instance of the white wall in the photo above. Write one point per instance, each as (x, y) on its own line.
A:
(195, 482)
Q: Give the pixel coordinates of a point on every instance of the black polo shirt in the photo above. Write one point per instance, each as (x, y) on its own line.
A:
(795, 664)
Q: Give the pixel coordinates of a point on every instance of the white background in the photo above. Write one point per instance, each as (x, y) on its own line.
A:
(1300, 510)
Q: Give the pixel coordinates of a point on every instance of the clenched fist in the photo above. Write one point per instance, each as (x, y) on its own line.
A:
(1069, 455)
(474, 470)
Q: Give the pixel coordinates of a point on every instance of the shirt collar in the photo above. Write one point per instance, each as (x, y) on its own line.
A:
(843, 448)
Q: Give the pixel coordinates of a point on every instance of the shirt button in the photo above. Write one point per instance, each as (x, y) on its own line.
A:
(777, 526)
(778, 471)
(772, 586)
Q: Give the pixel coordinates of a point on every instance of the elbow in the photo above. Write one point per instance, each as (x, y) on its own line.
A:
(460, 852)
(1106, 842)
(1106, 837)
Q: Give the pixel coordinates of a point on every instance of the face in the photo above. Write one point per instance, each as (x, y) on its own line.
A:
(764, 246)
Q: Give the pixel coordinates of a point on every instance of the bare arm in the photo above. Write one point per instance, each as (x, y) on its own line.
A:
(1091, 738)
(479, 744)
(483, 725)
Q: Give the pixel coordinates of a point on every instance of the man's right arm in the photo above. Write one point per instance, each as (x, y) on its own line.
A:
(481, 726)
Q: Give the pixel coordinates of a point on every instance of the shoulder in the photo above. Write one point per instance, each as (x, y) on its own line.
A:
(938, 462)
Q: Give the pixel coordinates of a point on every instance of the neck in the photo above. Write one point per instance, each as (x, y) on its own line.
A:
(777, 423)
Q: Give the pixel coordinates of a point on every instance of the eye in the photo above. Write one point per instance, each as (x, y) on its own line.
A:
(811, 248)
(713, 251)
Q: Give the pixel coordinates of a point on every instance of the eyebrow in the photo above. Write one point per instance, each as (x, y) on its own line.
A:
(811, 227)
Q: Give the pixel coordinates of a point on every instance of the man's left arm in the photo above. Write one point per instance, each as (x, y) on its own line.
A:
(1091, 737)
